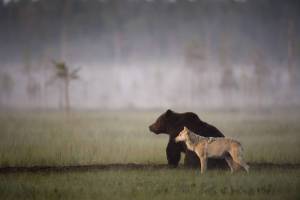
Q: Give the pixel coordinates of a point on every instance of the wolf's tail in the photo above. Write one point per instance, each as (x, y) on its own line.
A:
(241, 158)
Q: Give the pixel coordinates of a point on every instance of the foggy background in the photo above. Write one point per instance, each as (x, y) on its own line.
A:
(147, 54)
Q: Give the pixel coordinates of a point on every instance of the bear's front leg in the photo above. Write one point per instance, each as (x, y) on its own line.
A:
(191, 159)
(173, 153)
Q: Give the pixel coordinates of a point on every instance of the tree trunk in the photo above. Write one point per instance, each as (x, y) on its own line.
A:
(67, 98)
(291, 51)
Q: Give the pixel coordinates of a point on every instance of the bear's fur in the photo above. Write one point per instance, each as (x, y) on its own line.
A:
(172, 123)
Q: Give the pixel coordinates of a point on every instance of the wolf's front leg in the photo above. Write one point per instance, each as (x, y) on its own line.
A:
(203, 162)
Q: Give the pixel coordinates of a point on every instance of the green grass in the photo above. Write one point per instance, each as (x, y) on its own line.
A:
(152, 184)
(123, 137)
(29, 139)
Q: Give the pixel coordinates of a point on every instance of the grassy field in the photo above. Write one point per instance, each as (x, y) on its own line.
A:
(97, 138)
(152, 184)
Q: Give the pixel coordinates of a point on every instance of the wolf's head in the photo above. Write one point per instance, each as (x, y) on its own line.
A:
(183, 135)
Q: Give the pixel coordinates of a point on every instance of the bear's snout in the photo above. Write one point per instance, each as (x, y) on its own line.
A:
(153, 129)
(150, 128)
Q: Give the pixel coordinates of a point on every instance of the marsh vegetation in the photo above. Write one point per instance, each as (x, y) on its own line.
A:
(105, 138)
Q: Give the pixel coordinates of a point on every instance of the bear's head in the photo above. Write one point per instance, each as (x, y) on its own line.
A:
(163, 122)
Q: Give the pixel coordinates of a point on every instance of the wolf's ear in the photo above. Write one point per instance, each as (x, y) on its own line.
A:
(186, 129)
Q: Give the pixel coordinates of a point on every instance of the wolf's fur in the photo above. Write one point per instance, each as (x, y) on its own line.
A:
(212, 147)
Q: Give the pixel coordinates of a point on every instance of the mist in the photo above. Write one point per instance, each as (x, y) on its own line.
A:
(149, 54)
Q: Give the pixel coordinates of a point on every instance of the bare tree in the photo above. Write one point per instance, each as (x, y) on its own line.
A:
(6, 87)
(261, 70)
(195, 57)
(33, 87)
(228, 84)
(64, 73)
(291, 50)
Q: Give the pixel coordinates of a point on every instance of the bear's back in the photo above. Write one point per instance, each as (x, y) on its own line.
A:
(193, 122)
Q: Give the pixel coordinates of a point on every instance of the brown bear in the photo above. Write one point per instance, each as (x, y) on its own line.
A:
(172, 123)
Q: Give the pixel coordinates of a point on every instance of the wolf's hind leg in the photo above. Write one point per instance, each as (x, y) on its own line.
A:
(238, 158)
(230, 163)
(244, 164)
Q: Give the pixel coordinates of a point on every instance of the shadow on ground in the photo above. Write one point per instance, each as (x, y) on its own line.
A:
(129, 166)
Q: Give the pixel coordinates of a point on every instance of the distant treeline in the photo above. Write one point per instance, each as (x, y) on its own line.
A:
(151, 53)
(126, 30)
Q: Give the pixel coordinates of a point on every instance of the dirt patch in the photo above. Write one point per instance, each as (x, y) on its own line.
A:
(129, 166)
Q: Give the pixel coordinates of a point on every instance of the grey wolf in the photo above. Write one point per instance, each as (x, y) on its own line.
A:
(210, 147)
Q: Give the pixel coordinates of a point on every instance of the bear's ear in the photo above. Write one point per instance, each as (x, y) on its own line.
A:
(169, 112)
